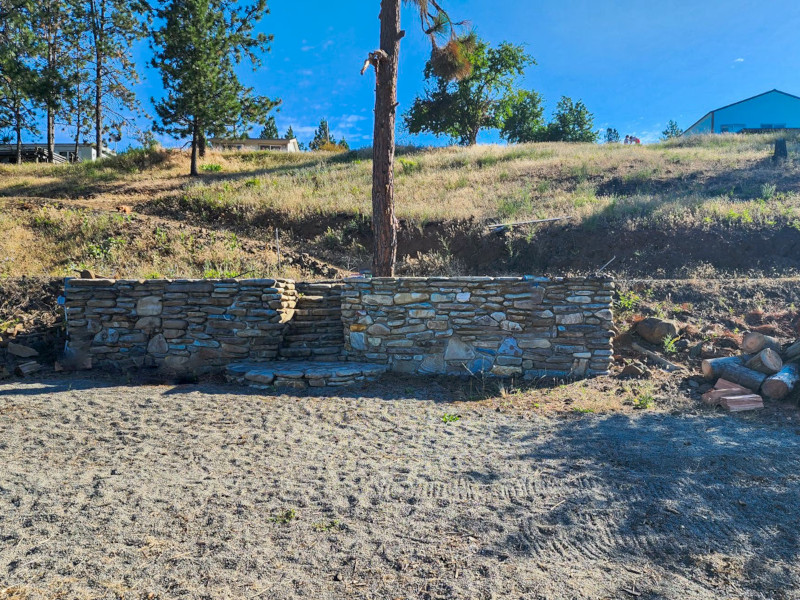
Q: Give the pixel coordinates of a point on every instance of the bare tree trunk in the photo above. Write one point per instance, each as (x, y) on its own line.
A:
(384, 222)
(18, 129)
(98, 104)
(193, 169)
(51, 134)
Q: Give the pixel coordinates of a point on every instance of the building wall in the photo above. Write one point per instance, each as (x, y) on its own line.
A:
(183, 326)
(774, 109)
(499, 325)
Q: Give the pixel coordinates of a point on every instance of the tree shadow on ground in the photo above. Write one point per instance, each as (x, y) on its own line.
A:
(675, 492)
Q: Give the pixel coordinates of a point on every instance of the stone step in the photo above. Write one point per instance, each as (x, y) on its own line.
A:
(302, 374)
(292, 337)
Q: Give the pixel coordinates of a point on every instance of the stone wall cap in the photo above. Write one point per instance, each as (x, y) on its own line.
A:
(108, 281)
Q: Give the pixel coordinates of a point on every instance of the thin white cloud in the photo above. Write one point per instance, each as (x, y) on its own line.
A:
(306, 48)
(739, 60)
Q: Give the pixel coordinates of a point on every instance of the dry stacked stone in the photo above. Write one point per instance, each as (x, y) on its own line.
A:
(183, 326)
(315, 332)
(502, 326)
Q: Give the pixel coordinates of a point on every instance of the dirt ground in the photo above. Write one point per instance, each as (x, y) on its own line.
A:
(206, 491)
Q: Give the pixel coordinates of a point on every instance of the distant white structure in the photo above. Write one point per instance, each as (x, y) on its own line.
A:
(770, 111)
(38, 152)
(254, 144)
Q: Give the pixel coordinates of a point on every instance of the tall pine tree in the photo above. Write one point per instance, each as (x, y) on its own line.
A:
(18, 80)
(55, 21)
(196, 50)
(270, 130)
(449, 57)
(322, 136)
(112, 27)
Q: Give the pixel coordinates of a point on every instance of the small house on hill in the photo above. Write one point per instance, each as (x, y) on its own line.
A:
(252, 144)
(770, 111)
(63, 153)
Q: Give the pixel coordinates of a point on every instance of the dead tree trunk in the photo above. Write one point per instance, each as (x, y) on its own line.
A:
(193, 168)
(384, 222)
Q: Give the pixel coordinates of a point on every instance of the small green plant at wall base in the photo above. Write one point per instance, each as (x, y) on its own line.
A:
(211, 168)
(448, 418)
(629, 300)
(644, 401)
(287, 516)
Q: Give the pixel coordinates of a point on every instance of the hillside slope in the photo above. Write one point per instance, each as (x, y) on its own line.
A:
(701, 207)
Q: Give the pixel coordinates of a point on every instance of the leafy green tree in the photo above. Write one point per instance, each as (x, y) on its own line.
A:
(449, 52)
(612, 136)
(522, 117)
(197, 47)
(112, 27)
(461, 109)
(289, 133)
(270, 130)
(672, 131)
(572, 122)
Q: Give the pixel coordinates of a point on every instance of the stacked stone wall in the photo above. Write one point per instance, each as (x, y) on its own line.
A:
(196, 326)
(504, 326)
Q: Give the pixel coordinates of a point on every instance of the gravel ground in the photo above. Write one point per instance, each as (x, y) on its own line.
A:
(206, 491)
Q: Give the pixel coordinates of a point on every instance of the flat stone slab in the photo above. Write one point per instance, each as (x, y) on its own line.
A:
(300, 374)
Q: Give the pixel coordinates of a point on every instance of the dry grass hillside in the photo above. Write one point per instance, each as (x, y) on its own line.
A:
(705, 206)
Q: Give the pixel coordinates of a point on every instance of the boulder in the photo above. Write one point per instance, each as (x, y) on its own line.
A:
(656, 330)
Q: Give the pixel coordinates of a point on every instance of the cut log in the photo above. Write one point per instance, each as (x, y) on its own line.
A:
(753, 342)
(767, 361)
(723, 387)
(667, 365)
(783, 382)
(740, 403)
(21, 351)
(743, 376)
(656, 330)
(26, 368)
(792, 352)
(712, 367)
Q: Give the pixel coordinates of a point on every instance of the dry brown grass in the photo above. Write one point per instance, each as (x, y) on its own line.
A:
(57, 218)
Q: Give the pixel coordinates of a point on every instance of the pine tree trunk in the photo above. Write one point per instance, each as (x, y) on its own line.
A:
(193, 170)
(51, 134)
(98, 103)
(201, 142)
(384, 223)
(18, 129)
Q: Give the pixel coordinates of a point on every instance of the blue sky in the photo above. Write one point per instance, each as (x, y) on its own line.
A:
(636, 64)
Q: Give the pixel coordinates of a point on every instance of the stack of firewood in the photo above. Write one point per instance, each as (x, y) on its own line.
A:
(765, 369)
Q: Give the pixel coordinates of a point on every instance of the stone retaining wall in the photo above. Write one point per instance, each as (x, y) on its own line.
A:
(189, 326)
(505, 326)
